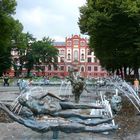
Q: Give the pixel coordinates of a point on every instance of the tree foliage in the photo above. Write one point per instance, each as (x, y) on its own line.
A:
(30, 52)
(7, 28)
(39, 54)
(114, 30)
(22, 45)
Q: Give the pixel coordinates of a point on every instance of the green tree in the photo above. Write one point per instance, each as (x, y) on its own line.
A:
(7, 28)
(22, 45)
(42, 53)
(114, 30)
(18, 44)
(26, 58)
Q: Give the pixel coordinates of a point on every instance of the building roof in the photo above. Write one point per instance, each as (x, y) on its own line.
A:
(59, 43)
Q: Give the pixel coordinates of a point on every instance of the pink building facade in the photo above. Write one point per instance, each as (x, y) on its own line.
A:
(75, 53)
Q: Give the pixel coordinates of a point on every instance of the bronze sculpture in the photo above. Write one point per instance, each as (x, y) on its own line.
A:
(42, 114)
(78, 84)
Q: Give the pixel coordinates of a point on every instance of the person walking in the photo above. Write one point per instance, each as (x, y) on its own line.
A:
(5, 80)
(136, 85)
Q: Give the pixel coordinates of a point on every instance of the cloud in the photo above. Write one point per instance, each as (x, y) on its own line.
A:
(34, 17)
(38, 17)
(54, 18)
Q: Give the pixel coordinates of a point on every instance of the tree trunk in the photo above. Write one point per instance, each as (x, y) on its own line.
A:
(28, 72)
(136, 72)
(121, 73)
(125, 72)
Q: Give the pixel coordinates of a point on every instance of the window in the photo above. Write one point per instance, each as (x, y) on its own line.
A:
(76, 55)
(95, 68)
(68, 43)
(68, 56)
(89, 52)
(62, 52)
(82, 69)
(82, 56)
(89, 59)
(89, 68)
(82, 43)
(76, 41)
(61, 59)
(61, 67)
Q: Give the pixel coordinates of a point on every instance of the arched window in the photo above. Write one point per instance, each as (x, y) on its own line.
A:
(68, 56)
(82, 56)
(62, 52)
(82, 69)
(76, 55)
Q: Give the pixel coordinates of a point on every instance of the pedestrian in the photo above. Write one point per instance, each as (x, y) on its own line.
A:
(46, 80)
(136, 85)
(5, 80)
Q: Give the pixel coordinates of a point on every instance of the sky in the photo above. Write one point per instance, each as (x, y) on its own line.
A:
(54, 18)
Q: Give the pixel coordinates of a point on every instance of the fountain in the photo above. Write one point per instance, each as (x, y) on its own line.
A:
(43, 111)
(64, 88)
(125, 89)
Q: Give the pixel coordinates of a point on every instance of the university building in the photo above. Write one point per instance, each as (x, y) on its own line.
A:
(74, 53)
